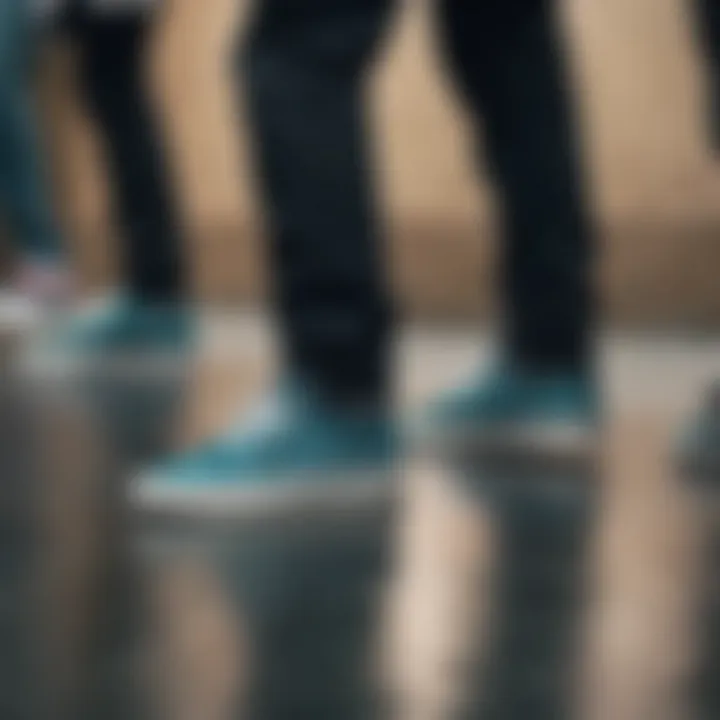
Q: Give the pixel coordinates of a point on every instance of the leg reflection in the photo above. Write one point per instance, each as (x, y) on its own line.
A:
(88, 435)
(135, 413)
(18, 651)
(700, 466)
(306, 586)
(542, 510)
(50, 466)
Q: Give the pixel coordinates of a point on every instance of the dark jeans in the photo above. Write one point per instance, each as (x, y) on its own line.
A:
(306, 62)
(113, 78)
(707, 21)
(25, 203)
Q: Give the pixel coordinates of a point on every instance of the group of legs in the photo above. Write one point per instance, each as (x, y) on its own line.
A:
(304, 67)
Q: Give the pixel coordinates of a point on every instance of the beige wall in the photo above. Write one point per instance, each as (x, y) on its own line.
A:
(656, 186)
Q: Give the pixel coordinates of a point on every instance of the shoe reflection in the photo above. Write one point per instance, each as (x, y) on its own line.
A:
(542, 510)
(702, 483)
(304, 592)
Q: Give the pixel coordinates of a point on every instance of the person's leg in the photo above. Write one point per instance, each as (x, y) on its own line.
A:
(525, 432)
(305, 63)
(24, 197)
(699, 445)
(151, 315)
(305, 66)
(507, 59)
(307, 482)
(707, 24)
(113, 78)
(39, 279)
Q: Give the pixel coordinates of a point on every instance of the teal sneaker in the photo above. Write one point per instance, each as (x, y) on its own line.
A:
(116, 331)
(124, 323)
(295, 451)
(515, 410)
(699, 447)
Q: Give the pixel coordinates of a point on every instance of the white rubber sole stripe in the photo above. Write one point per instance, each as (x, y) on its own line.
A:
(272, 499)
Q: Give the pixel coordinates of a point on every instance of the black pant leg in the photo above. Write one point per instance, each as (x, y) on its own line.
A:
(707, 22)
(507, 57)
(114, 86)
(305, 63)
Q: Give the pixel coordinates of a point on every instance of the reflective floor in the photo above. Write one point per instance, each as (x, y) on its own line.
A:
(438, 594)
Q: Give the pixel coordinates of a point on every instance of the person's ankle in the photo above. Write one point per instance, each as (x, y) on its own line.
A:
(158, 294)
(352, 399)
(554, 367)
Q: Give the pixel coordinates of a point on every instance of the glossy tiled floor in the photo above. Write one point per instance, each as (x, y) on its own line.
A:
(640, 634)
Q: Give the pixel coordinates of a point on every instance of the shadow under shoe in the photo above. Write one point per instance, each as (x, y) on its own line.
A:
(543, 512)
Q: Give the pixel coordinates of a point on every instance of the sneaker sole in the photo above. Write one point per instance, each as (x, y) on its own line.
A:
(534, 439)
(289, 498)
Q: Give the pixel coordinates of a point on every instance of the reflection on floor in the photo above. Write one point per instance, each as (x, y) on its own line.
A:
(645, 565)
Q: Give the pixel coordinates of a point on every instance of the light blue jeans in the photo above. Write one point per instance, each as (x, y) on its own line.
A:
(25, 204)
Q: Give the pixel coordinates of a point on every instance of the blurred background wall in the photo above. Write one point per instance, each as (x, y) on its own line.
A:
(657, 188)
